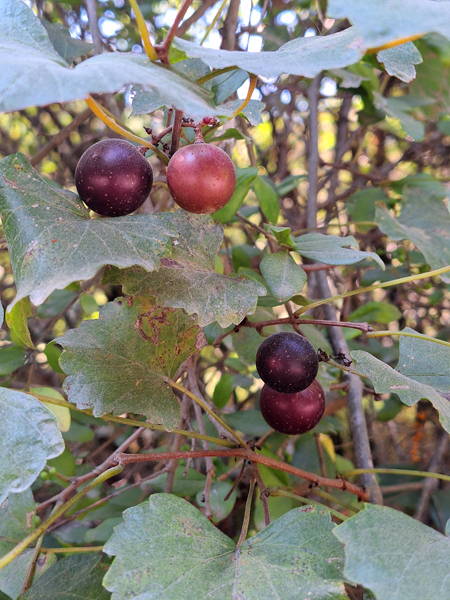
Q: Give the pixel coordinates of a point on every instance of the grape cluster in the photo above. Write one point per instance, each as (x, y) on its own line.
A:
(292, 401)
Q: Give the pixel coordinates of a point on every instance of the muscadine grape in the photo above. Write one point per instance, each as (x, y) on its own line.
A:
(201, 178)
(287, 362)
(293, 413)
(113, 178)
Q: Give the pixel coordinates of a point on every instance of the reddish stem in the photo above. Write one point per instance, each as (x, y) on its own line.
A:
(339, 484)
(294, 321)
(163, 49)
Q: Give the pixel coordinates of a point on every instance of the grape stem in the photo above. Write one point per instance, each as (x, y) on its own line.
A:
(294, 321)
(250, 455)
(163, 49)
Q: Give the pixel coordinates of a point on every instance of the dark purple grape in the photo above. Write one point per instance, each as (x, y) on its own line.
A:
(113, 178)
(287, 362)
(293, 413)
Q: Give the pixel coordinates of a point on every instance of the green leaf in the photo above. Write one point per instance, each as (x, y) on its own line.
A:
(185, 485)
(306, 455)
(268, 198)
(244, 180)
(68, 48)
(53, 352)
(78, 577)
(250, 422)
(381, 22)
(12, 357)
(390, 409)
(394, 555)
(26, 55)
(424, 361)
(120, 362)
(425, 221)
(423, 181)
(55, 303)
(400, 60)
(396, 109)
(53, 242)
(213, 330)
(64, 463)
(247, 340)
(246, 343)
(283, 275)
(17, 320)
(220, 508)
(103, 531)
(411, 380)
(188, 278)
(332, 249)
(30, 435)
(223, 390)
(305, 56)
(361, 205)
(288, 184)
(230, 134)
(16, 522)
(147, 100)
(282, 235)
(252, 111)
(224, 85)
(62, 413)
(167, 546)
(432, 83)
(378, 312)
(79, 433)
(349, 79)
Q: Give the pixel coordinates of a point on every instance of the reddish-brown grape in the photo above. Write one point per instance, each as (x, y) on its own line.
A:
(113, 178)
(201, 178)
(293, 413)
(287, 362)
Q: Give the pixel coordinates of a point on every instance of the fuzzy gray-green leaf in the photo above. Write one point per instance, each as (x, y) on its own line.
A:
(120, 362)
(167, 549)
(53, 242)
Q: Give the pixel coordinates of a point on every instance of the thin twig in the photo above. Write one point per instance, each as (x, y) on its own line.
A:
(42, 528)
(313, 158)
(198, 14)
(209, 410)
(263, 492)
(338, 484)
(32, 566)
(102, 501)
(91, 7)
(201, 427)
(358, 423)
(335, 513)
(60, 136)
(104, 466)
(292, 320)
(430, 485)
(176, 445)
(247, 513)
(84, 287)
(176, 132)
(163, 49)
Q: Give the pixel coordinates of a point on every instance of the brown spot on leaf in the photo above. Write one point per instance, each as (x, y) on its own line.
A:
(201, 340)
(151, 320)
(169, 262)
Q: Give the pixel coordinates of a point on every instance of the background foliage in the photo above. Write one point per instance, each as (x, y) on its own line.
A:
(137, 335)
